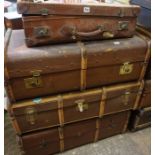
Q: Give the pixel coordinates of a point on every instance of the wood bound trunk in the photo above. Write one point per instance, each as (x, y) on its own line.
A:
(40, 71)
(59, 139)
(40, 113)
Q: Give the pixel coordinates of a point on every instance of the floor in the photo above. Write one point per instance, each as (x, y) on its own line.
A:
(136, 143)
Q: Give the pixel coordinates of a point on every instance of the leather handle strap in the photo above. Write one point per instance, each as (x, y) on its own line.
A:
(96, 32)
(83, 66)
(73, 31)
(60, 110)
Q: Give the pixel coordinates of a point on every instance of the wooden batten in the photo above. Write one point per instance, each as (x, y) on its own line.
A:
(83, 65)
(139, 94)
(147, 56)
(60, 110)
(102, 103)
(61, 137)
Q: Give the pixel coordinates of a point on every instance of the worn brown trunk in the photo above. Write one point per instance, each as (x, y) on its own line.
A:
(35, 72)
(73, 135)
(58, 110)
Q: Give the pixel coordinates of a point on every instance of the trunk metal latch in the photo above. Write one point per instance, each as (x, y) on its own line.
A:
(81, 106)
(123, 25)
(31, 115)
(34, 81)
(126, 68)
(41, 31)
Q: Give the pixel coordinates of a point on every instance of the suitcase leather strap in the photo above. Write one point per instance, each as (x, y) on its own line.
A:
(102, 103)
(140, 91)
(83, 65)
(60, 110)
(61, 136)
(147, 56)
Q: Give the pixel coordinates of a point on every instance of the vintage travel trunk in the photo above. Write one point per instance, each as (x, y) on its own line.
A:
(39, 71)
(140, 119)
(146, 96)
(40, 113)
(50, 23)
(59, 139)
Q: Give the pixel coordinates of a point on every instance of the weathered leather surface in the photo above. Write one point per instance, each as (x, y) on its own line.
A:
(43, 30)
(60, 65)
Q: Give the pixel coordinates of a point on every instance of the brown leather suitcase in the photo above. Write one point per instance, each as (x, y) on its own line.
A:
(40, 30)
(72, 22)
(73, 135)
(39, 71)
(146, 95)
(140, 119)
(40, 113)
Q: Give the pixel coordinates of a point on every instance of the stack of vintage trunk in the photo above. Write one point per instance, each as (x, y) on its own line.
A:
(68, 94)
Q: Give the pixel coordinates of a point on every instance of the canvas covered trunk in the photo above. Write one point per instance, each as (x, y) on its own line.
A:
(40, 113)
(50, 23)
(58, 139)
(39, 71)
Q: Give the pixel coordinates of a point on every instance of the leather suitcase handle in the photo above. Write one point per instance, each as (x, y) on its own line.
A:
(88, 34)
(72, 31)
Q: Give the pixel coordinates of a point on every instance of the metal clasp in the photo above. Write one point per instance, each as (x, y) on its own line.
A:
(41, 31)
(44, 11)
(34, 81)
(123, 25)
(81, 106)
(126, 68)
(31, 115)
(108, 35)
